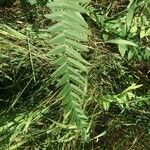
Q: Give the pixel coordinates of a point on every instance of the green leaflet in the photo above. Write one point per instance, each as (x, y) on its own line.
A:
(76, 79)
(57, 16)
(63, 80)
(60, 60)
(77, 46)
(57, 28)
(68, 99)
(75, 35)
(75, 27)
(58, 50)
(75, 96)
(66, 89)
(77, 73)
(58, 39)
(77, 89)
(77, 64)
(75, 54)
(68, 33)
(65, 4)
(62, 69)
(75, 17)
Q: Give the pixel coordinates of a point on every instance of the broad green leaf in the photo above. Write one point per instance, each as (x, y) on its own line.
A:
(123, 42)
(147, 32)
(133, 29)
(142, 34)
(122, 49)
(130, 55)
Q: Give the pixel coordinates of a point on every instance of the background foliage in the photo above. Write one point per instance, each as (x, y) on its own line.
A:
(109, 55)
